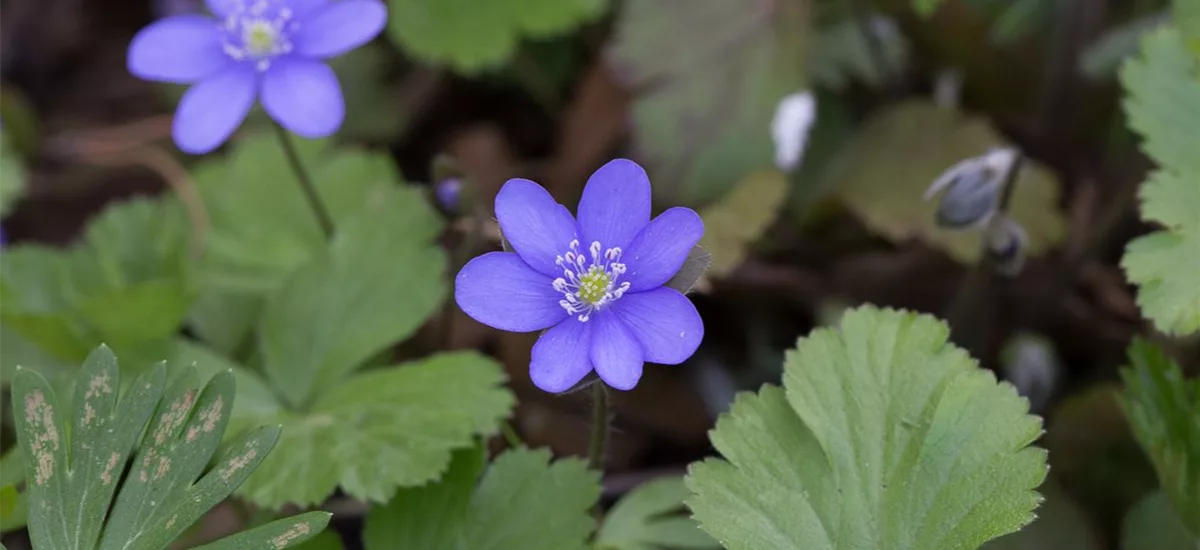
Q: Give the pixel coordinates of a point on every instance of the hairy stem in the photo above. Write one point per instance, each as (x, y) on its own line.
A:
(306, 184)
(599, 426)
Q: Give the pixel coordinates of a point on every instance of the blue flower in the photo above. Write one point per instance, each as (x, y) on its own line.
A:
(271, 49)
(597, 285)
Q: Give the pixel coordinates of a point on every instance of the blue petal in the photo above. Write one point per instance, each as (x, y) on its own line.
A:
(223, 8)
(560, 357)
(304, 96)
(658, 252)
(339, 27)
(615, 353)
(180, 50)
(615, 204)
(664, 322)
(212, 109)
(499, 290)
(536, 227)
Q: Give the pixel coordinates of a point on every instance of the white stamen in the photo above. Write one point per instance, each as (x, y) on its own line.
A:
(589, 287)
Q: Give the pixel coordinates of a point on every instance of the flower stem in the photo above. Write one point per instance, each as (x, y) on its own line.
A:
(599, 426)
(306, 184)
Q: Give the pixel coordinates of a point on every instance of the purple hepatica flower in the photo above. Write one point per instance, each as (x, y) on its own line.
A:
(272, 48)
(597, 285)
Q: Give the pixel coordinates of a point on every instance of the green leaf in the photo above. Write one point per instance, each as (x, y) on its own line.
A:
(842, 56)
(473, 36)
(279, 534)
(76, 458)
(225, 320)
(431, 516)
(1163, 105)
(255, 188)
(708, 94)
(381, 430)
(883, 436)
(925, 8)
(1060, 525)
(254, 396)
(14, 508)
(124, 284)
(1104, 57)
(739, 218)
(1152, 525)
(884, 172)
(375, 287)
(648, 518)
(1163, 409)
(12, 176)
(525, 501)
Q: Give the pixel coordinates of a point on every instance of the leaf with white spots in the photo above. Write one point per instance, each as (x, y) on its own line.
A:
(277, 535)
(71, 480)
(884, 435)
(381, 430)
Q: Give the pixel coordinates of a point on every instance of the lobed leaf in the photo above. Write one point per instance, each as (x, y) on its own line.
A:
(382, 430)
(707, 94)
(1163, 106)
(884, 436)
(75, 465)
(648, 518)
(884, 172)
(375, 287)
(432, 515)
(279, 534)
(471, 36)
(1163, 409)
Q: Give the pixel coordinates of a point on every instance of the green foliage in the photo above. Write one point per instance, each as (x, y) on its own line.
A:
(1104, 57)
(1060, 525)
(883, 173)
(376, 285)
(649, 518)
(732, 224)
(381, 430)
(255, 189)
(12, 176)
(1163, 409)
(372, 111)
(523, 501)
(1163, 105)
(472, 36)
(1153, 525)
(281, 533)
(124, 283)
(13, 507)
(883, 436)
(842, 55)
(78, 452)
(709, 93)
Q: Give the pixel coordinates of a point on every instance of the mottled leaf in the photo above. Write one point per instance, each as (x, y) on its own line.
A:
(381, 430)
(281, 533)
(883, 436)
(472, 36)
(708, 90)
(883, 174)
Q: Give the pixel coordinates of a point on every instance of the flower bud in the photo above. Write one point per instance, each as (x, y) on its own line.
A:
(1006, 243)
(973, 189)
(449, 194)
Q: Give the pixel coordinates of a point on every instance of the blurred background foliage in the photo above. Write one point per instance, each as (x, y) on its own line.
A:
(112, 236)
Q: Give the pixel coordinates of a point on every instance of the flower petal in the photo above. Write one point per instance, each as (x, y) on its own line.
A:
(223, 8)
(657, 253)
(304, 96)
(339, 27)
(212, 109)
(560, 357)
(615, 204)
(664, 322)
(616, 354)
(181, 50)
(500, 291)
(536, 227)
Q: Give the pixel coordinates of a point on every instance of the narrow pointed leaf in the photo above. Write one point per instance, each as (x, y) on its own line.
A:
(277, 535)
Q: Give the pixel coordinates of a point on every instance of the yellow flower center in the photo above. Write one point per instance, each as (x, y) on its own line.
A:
(260, 38)
(593, 285)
